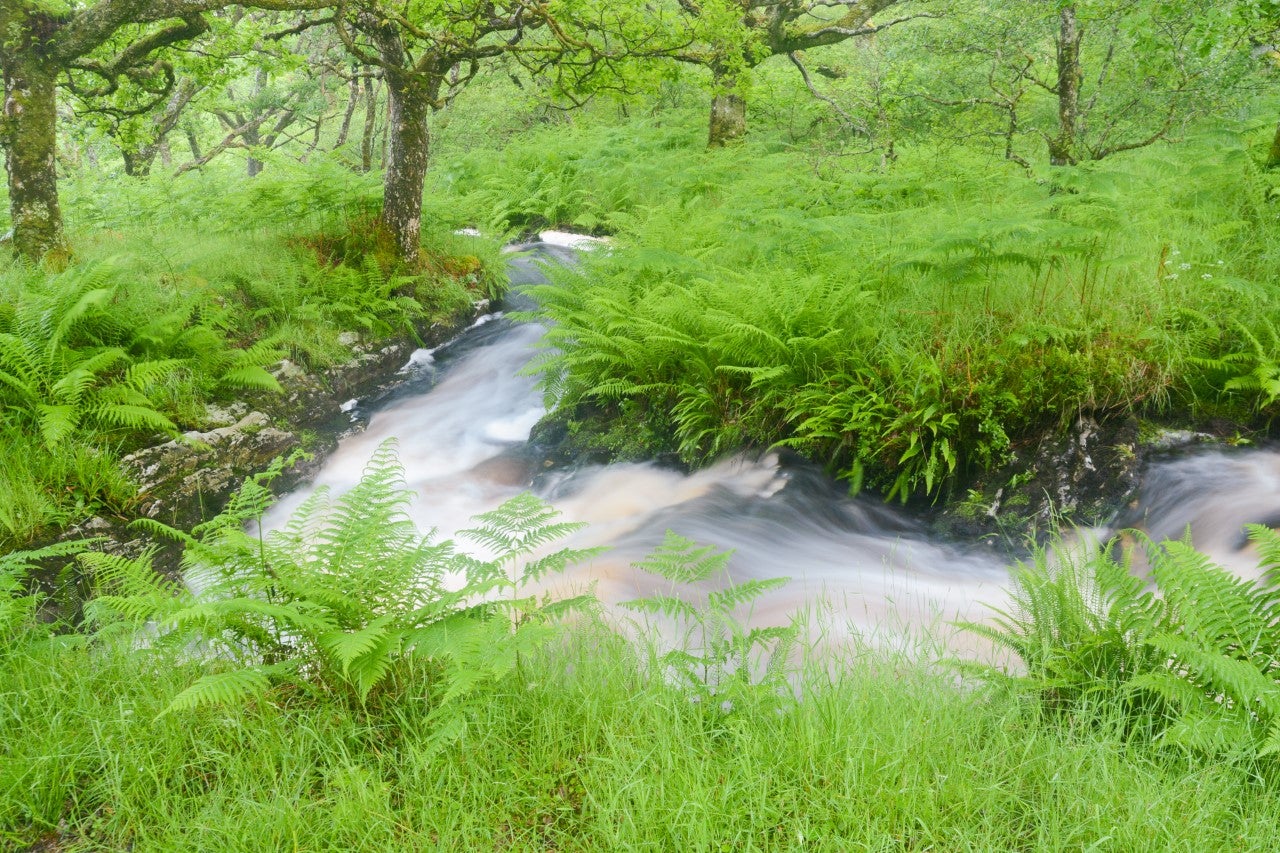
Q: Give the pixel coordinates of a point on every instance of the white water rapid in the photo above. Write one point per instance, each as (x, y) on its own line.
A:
(463, 420)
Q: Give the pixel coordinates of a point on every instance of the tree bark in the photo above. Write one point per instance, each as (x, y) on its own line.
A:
(1062, 148)
(28, 128)
(352, 99)
(728, 113)
(193, 142)
(137, 163)
(370, 124)
(409, 103)
(1273, 157)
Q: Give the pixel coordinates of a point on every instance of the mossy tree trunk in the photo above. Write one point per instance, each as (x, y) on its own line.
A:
(1062, 147)
(409, 105)
(1273, 157)
(28, 128)
(728, 111)
(413, 91)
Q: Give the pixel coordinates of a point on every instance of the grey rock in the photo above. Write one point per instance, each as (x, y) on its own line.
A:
(181, 480)
(1175, 439)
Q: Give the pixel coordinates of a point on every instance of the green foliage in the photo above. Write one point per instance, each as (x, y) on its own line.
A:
(57, 376)
(152, 324)
(977, 307)
(347, 598)
(580, 749)
(41, 492)
(1192, 660)
(18, 603)
(716, 657)
(1254, 369)
(1079, 626)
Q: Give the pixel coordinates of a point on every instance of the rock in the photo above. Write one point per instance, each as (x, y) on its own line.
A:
(181, 482)
(1082, 477)
(220, 416)
(1164, 440)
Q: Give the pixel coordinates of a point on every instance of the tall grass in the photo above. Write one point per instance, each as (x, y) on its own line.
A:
(583, 741)
(581, 752)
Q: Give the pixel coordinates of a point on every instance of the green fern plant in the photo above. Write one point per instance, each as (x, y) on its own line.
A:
(715, 657)
(18, 603)
(1194, 661)
(347, 598)
(1254, 369)
(1080, 627)
(63, 389)
(1221, 649)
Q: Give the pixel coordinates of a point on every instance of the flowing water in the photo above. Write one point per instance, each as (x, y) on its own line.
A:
(463, 418)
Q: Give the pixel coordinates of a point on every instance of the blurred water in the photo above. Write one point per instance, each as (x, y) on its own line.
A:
(462, 424)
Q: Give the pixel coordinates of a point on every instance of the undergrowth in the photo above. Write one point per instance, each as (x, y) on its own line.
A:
(904, 322)
(185, 292)
(1189, 657)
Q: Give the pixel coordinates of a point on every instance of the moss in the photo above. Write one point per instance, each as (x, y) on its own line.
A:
(594, 434)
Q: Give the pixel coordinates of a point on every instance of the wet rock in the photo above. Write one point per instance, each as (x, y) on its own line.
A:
(1083, 476)
(1165, 440)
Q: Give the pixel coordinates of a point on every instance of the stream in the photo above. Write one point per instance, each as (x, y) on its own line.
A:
(462, 420)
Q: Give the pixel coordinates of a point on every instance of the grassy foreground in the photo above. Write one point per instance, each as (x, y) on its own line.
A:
(333, 688)
(579, 751)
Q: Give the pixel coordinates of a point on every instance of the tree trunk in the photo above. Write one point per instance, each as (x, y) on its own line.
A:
(193, 142)
(251, 140)
(352, 99)
(1062, 148)
(370, 124)
(409, 101)
(1273, 157)
(137, 163)
(728, 112)
(28, 129)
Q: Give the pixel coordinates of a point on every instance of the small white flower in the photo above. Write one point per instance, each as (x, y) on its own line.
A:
(1171, 275)
(1175, 253)
(1219, 262)
(1206, 276)
(1184, 266)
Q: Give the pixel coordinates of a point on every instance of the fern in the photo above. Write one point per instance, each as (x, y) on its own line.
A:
(346, 594)
(1254, 369)
(228, 688)
(1197, 659)
(18, 603)
(720, 661)
(54, 374)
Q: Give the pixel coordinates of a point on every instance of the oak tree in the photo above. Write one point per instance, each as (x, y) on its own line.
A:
(41, 40)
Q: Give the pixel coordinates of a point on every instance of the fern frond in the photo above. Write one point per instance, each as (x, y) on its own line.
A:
(347, 646)
(666, 605)
(683, 560)
(228, 688)
(738, 594)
